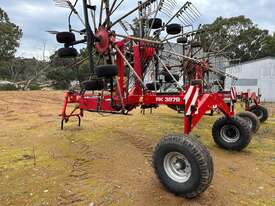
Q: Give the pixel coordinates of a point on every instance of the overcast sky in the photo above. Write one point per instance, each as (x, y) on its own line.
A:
(35, 17)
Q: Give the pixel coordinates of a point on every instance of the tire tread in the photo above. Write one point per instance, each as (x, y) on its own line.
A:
(202, 155)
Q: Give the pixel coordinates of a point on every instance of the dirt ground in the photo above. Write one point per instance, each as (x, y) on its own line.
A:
(108, 160)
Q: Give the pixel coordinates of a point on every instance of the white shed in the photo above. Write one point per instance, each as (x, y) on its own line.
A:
(256, 75)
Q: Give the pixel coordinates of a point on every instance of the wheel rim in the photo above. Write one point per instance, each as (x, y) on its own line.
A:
(249, 122)
(177, 167)
(259, 113)
(230, 133)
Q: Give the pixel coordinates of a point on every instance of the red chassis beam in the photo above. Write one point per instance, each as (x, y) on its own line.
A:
(195, 107)
(194, 100)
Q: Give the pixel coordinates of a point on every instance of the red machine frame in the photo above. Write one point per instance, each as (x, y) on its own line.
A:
(196, 102)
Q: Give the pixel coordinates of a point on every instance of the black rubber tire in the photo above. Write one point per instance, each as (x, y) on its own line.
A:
(67, 53)
(260, 111)
(169, 79)
(93, 85)
(153, 86)
(254, 121)
(240, 125)
(199, 159)
(155, 23)
(65, 37)
(173, 29)
(106, 71)
(182, 40)
(196, 44)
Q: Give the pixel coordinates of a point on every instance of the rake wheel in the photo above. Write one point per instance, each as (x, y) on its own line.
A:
(183, 165)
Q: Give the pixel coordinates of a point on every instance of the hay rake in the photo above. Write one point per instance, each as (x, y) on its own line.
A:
(182, 164)
(251, 100)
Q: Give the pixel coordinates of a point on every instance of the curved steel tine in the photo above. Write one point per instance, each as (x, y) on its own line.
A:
(175, 15)
(60, 1)
(195, 9)
(167, 7)
(185, 19)
(174, 3)
(192, 11)
(183, 23)
(165, 14)
(192, 18)
(187, 14)
(167, 11)
(195, 13)
(63, 4)
(168, 3)
(186, 22)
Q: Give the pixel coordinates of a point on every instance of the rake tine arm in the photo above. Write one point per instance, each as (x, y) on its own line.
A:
(130, 66)
(183, 56)
(113, 5)
(73, 10)
(171, 19)
(140, 39)
(155, 15)
(93, 16)
(101, 13)
(218, 71)
(107, 8)
(132, 11)
(165, 67)
(114, 9)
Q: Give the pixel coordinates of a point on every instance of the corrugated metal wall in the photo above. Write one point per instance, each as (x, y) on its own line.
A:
(254, 75)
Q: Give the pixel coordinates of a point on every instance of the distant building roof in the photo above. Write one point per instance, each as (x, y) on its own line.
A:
(3, 82)
(252, 61)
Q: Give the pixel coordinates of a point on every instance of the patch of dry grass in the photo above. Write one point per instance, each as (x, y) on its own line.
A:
(88, 164)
